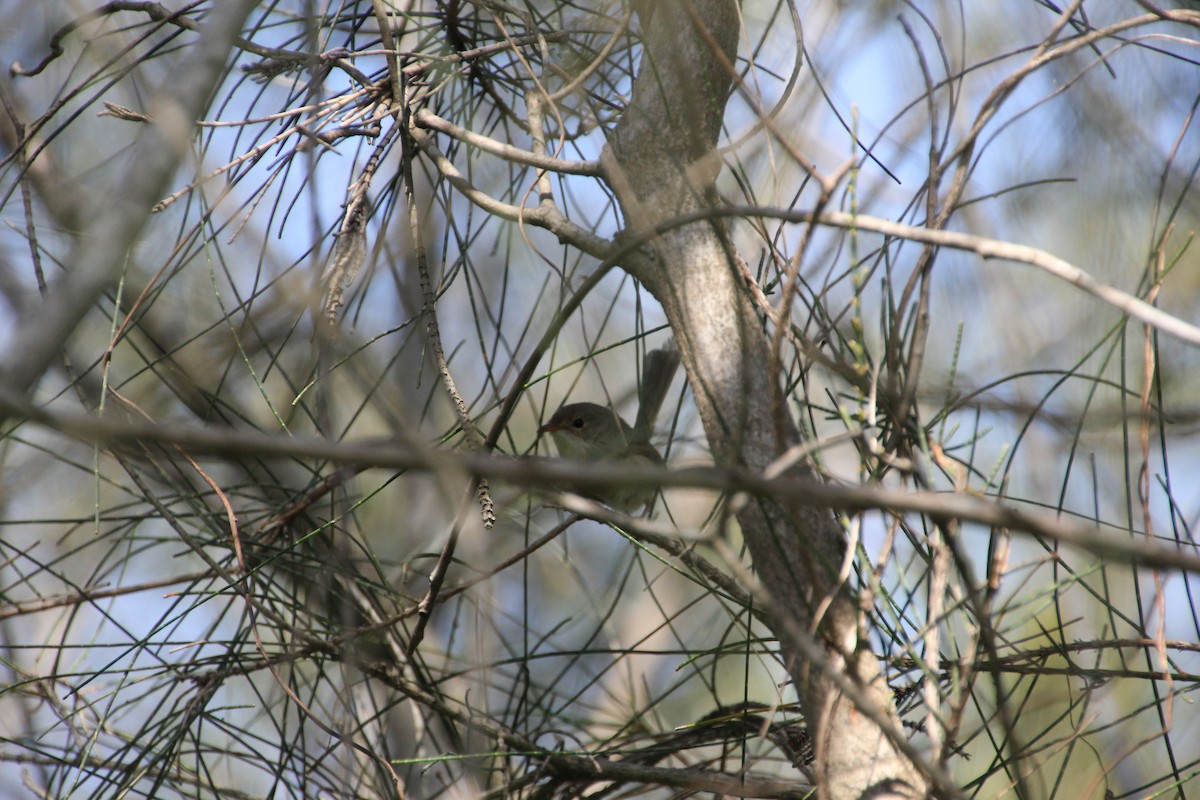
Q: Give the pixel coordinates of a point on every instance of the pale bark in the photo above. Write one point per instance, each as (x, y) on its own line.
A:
(662, 162)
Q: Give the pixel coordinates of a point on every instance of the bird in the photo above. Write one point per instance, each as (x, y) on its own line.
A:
(594, 433)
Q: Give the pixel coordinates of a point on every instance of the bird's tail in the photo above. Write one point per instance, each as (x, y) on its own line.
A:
(657, 373)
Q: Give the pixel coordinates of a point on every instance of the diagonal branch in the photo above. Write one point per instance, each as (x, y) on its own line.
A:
(121, 210)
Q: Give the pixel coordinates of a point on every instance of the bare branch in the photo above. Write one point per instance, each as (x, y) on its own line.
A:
(102, 247)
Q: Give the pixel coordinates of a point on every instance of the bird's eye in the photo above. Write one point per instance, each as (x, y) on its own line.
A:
(577, 422)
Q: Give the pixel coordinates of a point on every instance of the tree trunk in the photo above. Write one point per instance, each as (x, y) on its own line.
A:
(661, 160)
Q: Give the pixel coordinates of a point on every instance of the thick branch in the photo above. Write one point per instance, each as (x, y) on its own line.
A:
(662, 163)
(243, 444)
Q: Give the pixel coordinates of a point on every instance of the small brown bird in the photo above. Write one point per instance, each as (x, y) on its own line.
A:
(591, 432)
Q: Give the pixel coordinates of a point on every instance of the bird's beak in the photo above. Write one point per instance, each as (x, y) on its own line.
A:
(549, 427)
